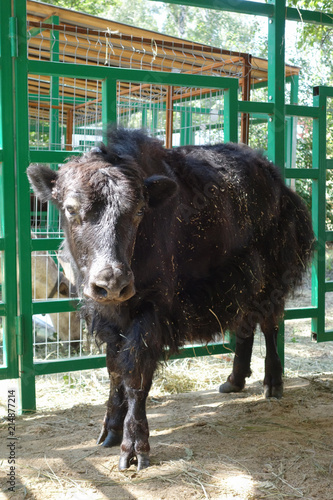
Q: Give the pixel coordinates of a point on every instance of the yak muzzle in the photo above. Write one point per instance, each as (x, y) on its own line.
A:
(111, 284)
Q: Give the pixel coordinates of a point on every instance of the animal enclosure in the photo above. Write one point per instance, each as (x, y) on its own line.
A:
(72, 75)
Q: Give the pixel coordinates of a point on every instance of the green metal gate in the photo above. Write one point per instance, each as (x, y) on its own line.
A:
(18, 307)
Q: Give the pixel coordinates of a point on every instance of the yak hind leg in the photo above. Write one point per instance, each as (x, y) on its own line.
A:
(273, 383)
(242, 364)
(112, 429)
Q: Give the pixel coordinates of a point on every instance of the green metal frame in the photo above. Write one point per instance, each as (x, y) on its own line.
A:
(17, 309)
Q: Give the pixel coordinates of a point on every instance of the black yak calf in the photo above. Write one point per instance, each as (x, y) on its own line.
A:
(170, 246)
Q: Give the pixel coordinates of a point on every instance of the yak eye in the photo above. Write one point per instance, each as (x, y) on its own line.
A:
(140, 212)
(71, 210)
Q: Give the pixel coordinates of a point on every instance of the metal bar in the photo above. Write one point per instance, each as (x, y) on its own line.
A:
(329, 286)
(8, 194)
(319, 212)
(246, 95)
(109, 103)
(301, 173)
(309, 16)
(69, 365)
(45, 244)
(54, 306)
(276, 84)
(305, 111)
(258, 9)
(204, 350)
(51, 156)
(329, 164)
(128, 75)
(27, 377)
(327, 336)
(230, 115)
(300, 313)
(55, 139)
(238, 6)
(265, 108)
(169, 118)
(329, 236)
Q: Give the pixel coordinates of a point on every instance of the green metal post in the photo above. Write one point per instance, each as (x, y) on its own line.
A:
(109, 103)
(8, 210)
(276, 89)
(276, 83)
(27, 373)
(319, 212)
(292, 128)
(54, 131)
(231, 114)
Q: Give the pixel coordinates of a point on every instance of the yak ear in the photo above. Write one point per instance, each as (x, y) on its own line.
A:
(160, 188)
(42, 180)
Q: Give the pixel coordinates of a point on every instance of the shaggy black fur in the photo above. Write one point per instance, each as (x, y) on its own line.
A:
(210, 237)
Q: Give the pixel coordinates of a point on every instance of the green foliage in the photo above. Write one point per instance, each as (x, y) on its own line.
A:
(94, 7)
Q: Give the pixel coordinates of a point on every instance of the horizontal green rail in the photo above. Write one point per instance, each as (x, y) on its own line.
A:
(130, 75)
(329, 163)
(54, 306)
(303, 111)
(255, 107)
(258, 9)
(51, 156)
(45, 244)
(329, 286)
(300, 313)
(301, 173)
(3, 310)
(326, 337)
(93, 362)
(329, 235)
(2, 244)
(69, 365)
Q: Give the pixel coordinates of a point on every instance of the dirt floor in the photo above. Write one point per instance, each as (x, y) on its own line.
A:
(203, 444)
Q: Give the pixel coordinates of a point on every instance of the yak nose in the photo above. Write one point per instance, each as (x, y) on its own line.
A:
(112, 284)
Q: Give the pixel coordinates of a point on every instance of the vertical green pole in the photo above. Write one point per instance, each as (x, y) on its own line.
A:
(8, 209)
(27, 372)
(109, 104)
(293, 120)
(276, 89)
(154, 120)
(319, 212)
(189, 134)
(182, 127)
(55, 136)
(276, 83)
(144, 116)
(231, 114)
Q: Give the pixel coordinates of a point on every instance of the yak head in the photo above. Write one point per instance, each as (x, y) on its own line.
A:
(102, 205)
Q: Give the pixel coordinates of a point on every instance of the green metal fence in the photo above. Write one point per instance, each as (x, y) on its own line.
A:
(18, 306)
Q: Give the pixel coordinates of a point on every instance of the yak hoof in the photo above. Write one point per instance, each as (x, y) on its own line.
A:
(109, 438)
(142, 461)
(274, 391)
(229, 387)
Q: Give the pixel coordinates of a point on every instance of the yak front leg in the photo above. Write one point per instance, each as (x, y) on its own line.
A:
(112, 429)
(135, 443)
